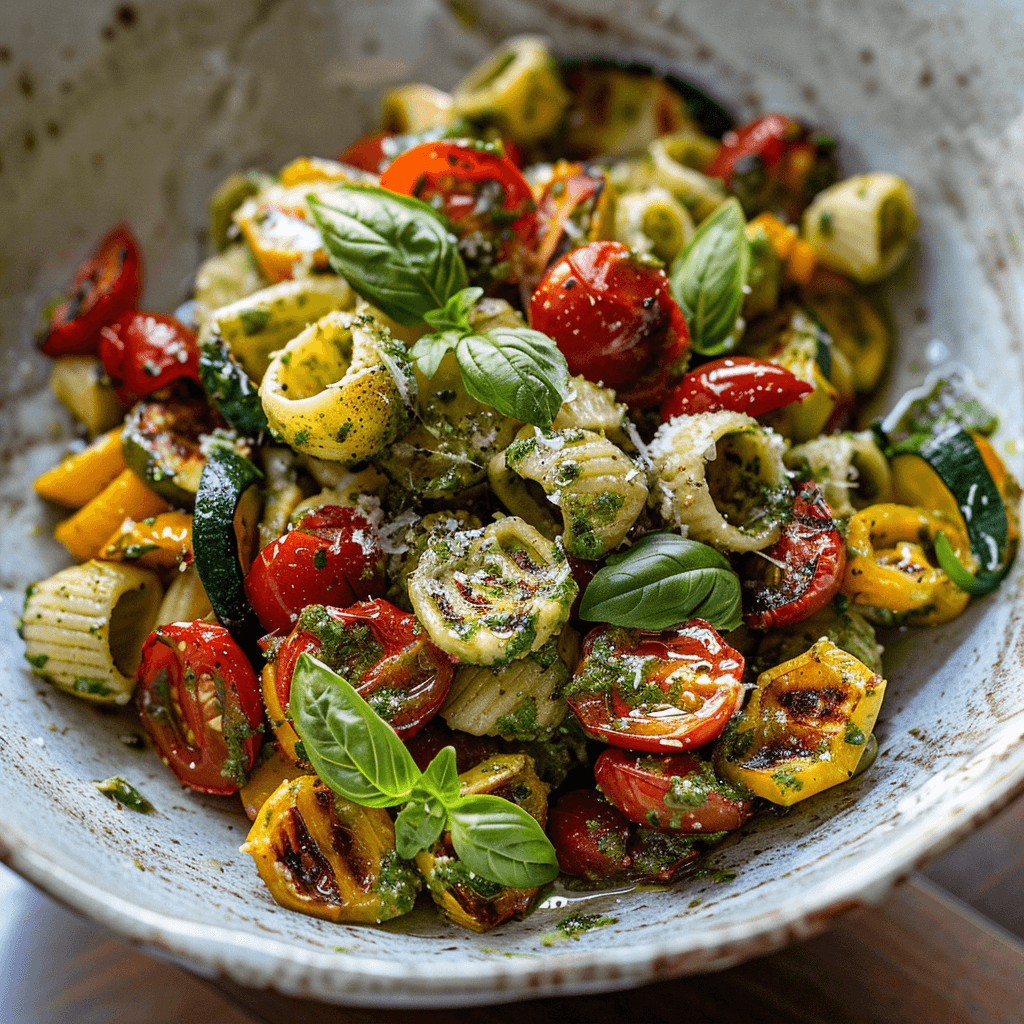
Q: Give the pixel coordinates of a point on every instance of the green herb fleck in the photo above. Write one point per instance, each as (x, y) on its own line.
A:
(122, 792)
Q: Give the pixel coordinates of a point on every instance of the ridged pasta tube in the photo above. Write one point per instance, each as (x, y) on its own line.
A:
(700, 194)
(653, 221)
(224, 279)
(84, 628)
(598, 489)
(518, 701)
(493, 595)
(719, 477)
(342, 390)
(851, 468)
(863, 226)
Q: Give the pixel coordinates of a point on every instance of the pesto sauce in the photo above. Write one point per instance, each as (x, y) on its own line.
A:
(121, 791)
(346, 648)
(397, 885)
(575, 925)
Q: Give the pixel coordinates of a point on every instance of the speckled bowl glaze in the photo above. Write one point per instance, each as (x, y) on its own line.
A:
(135, 112)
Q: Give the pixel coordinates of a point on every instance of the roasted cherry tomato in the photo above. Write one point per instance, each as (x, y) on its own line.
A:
(574, 206)
(199, 701)
(144, 352)
(435, 736)
(736, 384)
(774, 163)
(678, 792)
(482, 193)
(802, 571)
(383, 652)
(668, 691)
(370, 153)
(613, 316)
(333, 556)
(105, 286)
(589, 835)
(660, 856)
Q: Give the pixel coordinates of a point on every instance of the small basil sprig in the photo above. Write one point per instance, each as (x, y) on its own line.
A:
(361, 758)
(394, 250)
(518, 371)
(708, 277)
(661, 580)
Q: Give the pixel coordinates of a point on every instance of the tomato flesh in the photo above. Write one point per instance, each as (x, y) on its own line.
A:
(613, 316)
(199, 701)
(737, 384)
(370, 153)
(333, 556)
(144, 352)
(802, 571)
(669, 691)
(105, 286)
(589, 835)
(382, 651)
(678, 792)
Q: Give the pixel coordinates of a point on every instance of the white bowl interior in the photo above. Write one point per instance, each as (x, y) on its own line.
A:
(135, 113)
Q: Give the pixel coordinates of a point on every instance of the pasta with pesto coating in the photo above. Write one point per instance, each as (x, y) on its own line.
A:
(850, 467)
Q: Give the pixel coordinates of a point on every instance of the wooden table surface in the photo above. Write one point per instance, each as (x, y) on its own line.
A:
(945, 948)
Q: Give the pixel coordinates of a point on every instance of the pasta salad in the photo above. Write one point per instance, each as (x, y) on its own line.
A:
(500, 504)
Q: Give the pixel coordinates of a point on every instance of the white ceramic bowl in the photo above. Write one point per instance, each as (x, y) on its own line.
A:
(135, 113)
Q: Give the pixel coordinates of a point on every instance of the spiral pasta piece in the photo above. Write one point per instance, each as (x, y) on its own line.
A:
(598, 489)
(719, 477)
(520, 700)
(493, 595)
(850, 467)
(342, 390)
(84, 627)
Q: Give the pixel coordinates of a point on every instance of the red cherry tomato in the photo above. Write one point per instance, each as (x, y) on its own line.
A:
(766, 137)
(435, 736)
(668, 691)
(802, 571)
(589, 835)
(487, 200)
(199, 701)
(678, 792)
(660, 856)
(566, 210)
(613, 316)
(736, 383)
(106, 285)
(370, 153)
(383, 652)
(333, 556)
(144, 352)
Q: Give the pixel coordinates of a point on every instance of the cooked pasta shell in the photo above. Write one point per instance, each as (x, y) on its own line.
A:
(719, 477)
(225, 278)
(410, 109)
(653, 221)
(598, 489)
(863, 226)
(700, 194)
(342, 390)
(520, 497)
(589, 406)
(84, 628)
(851, 468)
(518, 701)
(493, 595)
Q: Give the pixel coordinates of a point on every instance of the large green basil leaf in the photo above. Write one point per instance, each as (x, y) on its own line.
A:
(499, 841)
(707, 280)
(394, 250)
(350, 746)
(518, 371)
(662, 580)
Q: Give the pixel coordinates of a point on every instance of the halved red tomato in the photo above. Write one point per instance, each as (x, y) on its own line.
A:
(370, 153)
(802, 571)
(483, 195)
(199, 701)
(668, 691)
(382, 651)
(333, 556)
(590, 836)
(671, 791)
(106, 285)
(612, 314)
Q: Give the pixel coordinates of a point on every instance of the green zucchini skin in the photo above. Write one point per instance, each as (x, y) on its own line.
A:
(160, 444)
(225, 480)
(230, 388)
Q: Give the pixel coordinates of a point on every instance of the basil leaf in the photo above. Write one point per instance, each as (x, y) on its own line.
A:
(431, 349)
(662, 580)
(707, 280)
(351, 747)
(455, 313)
(983, 583)
(394, 250)
(441, 778)
(499, 841)
(419, 824)
(518, 371)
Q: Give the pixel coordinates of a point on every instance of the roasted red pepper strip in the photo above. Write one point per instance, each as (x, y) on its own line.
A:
(802, 571)
(106, 285)
(737, 384)
(144, 352)
(199, 701)
(669, 691)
